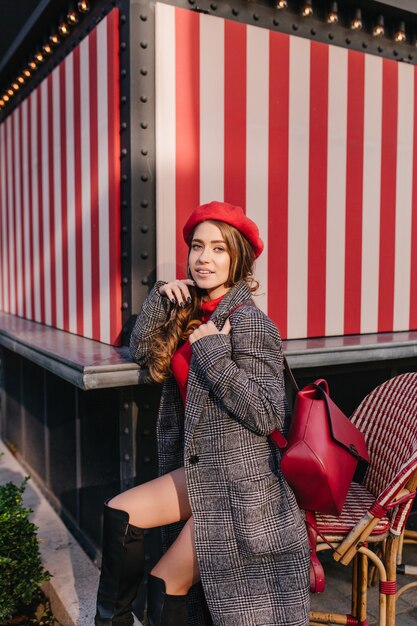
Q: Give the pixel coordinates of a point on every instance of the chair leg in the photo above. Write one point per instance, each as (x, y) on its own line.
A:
(362, 588)
(354, 599)
(391, 568)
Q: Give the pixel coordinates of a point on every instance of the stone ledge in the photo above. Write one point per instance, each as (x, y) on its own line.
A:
(89, 364)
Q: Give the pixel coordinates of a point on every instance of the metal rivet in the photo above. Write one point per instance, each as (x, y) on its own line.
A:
(144, 178)
(410, 57)
(331, 36)
(144, 125)
(125, 280)
(123, 125)
(255, 17)
(380, 49)
(123, 45)
(126, 457)
(123, 152)
(123, 99)
(364, 45)
(123, 18)
(144, 204)
(313, 31)
(124, 229)
(124, 255)
(143, 17)
(235, 11)
(123, 73)
(295, 26)
(144, 229)
(395, 53)
(147, 459)
(191, 1)
(143, 99)
(275, 22)
(125, 306)
(124, 178)
(144, 152)
(146, 432)
(213, 6)
(125, 406)
(144, 255)
(145, 281)
(143, 71)
(124, 203)
(143, 45)
(126, 430)
(348, 41)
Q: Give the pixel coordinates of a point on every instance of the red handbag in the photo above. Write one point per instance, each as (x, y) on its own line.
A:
(322, 451)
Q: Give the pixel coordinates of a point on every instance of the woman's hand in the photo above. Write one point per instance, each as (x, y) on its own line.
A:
(209, 329)
(177, 291)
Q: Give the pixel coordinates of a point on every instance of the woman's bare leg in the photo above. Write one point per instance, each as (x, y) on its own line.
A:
(178, 567)
(156, 503)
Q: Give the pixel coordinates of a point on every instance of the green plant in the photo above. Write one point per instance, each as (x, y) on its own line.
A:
(21, 570)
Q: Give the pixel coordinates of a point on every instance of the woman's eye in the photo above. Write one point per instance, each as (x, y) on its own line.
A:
(219, 249)
(195, 246)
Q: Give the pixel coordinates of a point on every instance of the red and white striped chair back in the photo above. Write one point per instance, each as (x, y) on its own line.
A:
(388, 419)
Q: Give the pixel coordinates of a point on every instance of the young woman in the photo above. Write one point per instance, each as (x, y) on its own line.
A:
(236, 545)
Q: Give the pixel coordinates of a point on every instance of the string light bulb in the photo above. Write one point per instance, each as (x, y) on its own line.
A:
(54, 39)
(26, 73)
(33, 65)
(282, 4)
(16, 86)
(6, 97)
(21, 79)
(332, 16)
(47, 48)
(307, 10)
(72, 17)
(83, 6)
(10, 92)
(2, 102)
(379, 28)
(63, 29)
(39, 57)
(357, 20)
(400, 36)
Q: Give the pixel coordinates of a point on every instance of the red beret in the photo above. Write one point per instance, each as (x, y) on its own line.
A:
(224, 212)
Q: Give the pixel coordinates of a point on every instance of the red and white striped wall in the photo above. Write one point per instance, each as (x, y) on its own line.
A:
(318, 143)
(60, 195)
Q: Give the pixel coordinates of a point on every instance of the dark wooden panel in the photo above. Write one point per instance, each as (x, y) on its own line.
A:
(61, 424)
(98, 412)
(34, 417)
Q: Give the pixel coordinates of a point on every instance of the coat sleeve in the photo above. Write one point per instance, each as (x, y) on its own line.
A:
(244, 370)
(154, 312)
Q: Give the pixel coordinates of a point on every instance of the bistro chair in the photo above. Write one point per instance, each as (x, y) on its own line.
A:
(376, 511)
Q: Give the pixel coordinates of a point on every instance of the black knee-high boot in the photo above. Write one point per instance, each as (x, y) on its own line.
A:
(163, 609)
(121, 569)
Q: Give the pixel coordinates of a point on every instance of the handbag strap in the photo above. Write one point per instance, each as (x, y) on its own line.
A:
(290, 376)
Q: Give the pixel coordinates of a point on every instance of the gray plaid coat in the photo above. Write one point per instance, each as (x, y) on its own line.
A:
(250, 537)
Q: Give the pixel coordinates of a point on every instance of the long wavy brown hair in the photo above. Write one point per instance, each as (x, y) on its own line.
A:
(183, 321)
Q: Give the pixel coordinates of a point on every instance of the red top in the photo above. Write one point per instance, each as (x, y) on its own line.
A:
(180, 362)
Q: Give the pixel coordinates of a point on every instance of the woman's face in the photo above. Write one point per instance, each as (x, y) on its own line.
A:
(209, 260)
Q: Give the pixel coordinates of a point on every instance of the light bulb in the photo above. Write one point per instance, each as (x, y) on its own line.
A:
(357, 20)
(332, 17)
